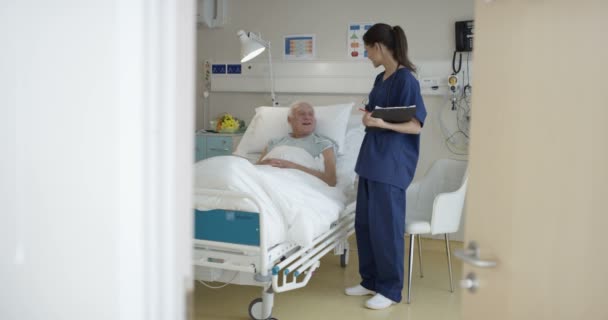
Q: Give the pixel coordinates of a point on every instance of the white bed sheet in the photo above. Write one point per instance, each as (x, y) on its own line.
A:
(297, 206)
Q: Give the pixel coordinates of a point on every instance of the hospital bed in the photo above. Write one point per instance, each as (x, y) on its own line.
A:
(237, 240)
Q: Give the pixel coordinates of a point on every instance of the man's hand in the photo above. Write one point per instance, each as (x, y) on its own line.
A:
(328, 176)
(279, 163)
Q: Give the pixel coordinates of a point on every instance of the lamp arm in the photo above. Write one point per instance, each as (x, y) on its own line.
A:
(273, 97)
(258, 38)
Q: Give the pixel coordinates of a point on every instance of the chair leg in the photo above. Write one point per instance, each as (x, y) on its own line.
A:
(447, 249)
(409, 271)
(420, 256)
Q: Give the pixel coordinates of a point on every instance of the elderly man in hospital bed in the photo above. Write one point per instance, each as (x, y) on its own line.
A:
(293, 182)
(302, 120)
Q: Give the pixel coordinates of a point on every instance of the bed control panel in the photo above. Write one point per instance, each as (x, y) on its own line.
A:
(236, 227)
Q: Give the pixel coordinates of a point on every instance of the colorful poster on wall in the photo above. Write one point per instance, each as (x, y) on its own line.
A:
(354, 40)
(299, 47)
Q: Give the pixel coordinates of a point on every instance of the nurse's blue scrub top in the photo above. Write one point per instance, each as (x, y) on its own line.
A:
(388, 156)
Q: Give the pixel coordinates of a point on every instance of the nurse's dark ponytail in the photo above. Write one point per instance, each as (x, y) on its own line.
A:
(400, 51)
(394, 39)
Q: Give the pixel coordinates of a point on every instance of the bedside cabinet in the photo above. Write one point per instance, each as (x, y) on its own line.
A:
(210, 144)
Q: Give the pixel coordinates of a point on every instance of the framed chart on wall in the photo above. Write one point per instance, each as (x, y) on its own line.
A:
(354, 41)
(299, 47)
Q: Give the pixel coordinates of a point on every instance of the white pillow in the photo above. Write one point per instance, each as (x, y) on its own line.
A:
(355, 120)
(268, 123)
(296, 155)
(271, 122)
(332, 122)
(346, 163)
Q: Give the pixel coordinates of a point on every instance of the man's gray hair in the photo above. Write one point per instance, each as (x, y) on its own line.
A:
(295, 106)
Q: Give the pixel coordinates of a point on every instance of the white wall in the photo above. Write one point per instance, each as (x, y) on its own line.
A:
(429, 24)
(82, 85)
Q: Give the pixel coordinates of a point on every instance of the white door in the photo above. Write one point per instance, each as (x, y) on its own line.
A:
(96, 133)
(538, 195)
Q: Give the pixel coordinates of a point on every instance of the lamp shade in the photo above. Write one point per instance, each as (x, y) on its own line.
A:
(250, 48)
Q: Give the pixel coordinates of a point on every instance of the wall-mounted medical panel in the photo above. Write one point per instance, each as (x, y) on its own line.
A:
(233, 68)
(325, 77)
(218, 68)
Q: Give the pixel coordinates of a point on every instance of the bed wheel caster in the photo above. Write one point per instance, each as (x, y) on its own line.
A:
(344, 259)
(255, 310)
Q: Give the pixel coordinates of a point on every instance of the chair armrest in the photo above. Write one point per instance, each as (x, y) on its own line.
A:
(447, 211)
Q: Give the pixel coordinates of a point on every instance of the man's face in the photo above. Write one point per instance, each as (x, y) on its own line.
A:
(303, 121)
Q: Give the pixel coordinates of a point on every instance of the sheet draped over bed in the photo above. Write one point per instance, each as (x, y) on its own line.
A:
(297, 206)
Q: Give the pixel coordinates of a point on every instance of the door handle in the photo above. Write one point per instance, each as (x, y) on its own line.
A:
(219, 149)
(470, 255)
(470, 283)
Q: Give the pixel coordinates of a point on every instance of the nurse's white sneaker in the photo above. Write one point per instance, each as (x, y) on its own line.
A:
(379, 302)
(357, 290)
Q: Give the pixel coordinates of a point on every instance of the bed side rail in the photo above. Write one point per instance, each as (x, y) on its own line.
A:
(306, 260)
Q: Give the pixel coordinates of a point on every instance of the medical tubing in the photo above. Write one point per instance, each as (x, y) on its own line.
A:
(442, 125)
(222, 286)
(447, 135)
(459, 118)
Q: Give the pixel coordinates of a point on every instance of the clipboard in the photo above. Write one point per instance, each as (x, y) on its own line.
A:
(395, 114)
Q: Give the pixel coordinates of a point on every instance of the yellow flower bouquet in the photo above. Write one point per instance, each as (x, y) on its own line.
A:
(228, 123)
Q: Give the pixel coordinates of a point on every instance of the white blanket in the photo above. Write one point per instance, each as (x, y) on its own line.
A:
(297, 155)
(296, 206)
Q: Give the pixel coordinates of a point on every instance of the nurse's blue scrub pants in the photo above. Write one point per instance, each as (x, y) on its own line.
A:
(380, 228)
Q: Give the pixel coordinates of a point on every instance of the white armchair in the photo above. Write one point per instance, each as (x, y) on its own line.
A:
(434, 206)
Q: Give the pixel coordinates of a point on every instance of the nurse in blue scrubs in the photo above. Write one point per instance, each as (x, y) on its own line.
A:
(386, 165)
